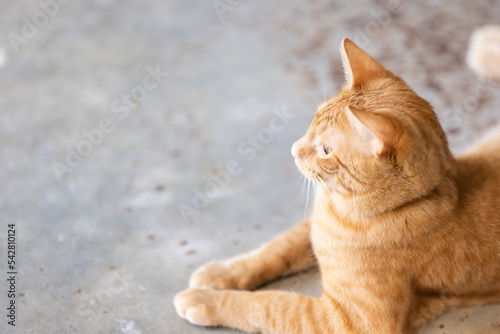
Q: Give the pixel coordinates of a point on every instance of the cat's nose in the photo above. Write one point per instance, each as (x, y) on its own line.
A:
(295, 151)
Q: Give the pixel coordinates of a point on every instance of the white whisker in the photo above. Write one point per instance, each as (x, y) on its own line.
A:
(325, 202)
(317, 103)
(303, 186)
(332, 198)
(323, 182)
(307, 198)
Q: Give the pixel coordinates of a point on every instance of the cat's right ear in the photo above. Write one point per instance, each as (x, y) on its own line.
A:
(359, 67)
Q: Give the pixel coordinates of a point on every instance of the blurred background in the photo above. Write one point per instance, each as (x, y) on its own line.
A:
(139, 140)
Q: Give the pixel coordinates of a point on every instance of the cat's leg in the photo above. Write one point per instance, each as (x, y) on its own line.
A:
(289, 313)
(289, 252)
(259, 312)
(426, 308)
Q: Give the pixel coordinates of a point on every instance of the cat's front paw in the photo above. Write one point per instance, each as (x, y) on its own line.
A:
(198, 306)
(217, 275)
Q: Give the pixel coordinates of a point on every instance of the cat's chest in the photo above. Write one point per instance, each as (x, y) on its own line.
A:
(345, 254)
(330, 247)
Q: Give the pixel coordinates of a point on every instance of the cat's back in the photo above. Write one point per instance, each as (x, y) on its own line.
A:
(475, 240)
(478, 180)
(488, 146)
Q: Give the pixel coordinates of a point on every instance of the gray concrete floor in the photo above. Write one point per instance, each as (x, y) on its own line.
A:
(102, 246)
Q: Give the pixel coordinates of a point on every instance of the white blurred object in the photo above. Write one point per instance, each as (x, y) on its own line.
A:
(3, 57)
(483, 55)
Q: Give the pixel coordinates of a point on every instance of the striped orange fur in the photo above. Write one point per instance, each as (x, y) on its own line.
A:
(401, 230)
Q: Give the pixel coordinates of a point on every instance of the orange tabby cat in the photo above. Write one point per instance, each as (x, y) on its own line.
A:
(401, 230)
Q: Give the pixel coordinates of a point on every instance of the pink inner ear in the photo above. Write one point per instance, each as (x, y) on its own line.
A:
(359, 67)
(380, 126)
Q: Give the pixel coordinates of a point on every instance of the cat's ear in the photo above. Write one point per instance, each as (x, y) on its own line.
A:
(359, 67)
(379, 133)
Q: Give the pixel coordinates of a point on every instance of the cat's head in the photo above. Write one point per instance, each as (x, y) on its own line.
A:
(376, 141)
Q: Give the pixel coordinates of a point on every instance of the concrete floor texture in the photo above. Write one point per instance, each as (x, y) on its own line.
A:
(136, 141)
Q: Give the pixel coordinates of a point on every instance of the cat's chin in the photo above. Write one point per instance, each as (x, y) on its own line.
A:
(308, 174)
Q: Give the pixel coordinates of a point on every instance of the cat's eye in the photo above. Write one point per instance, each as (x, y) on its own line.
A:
(326, 150)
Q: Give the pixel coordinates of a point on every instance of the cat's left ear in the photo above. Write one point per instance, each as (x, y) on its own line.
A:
(359, 67)
(378, 131)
